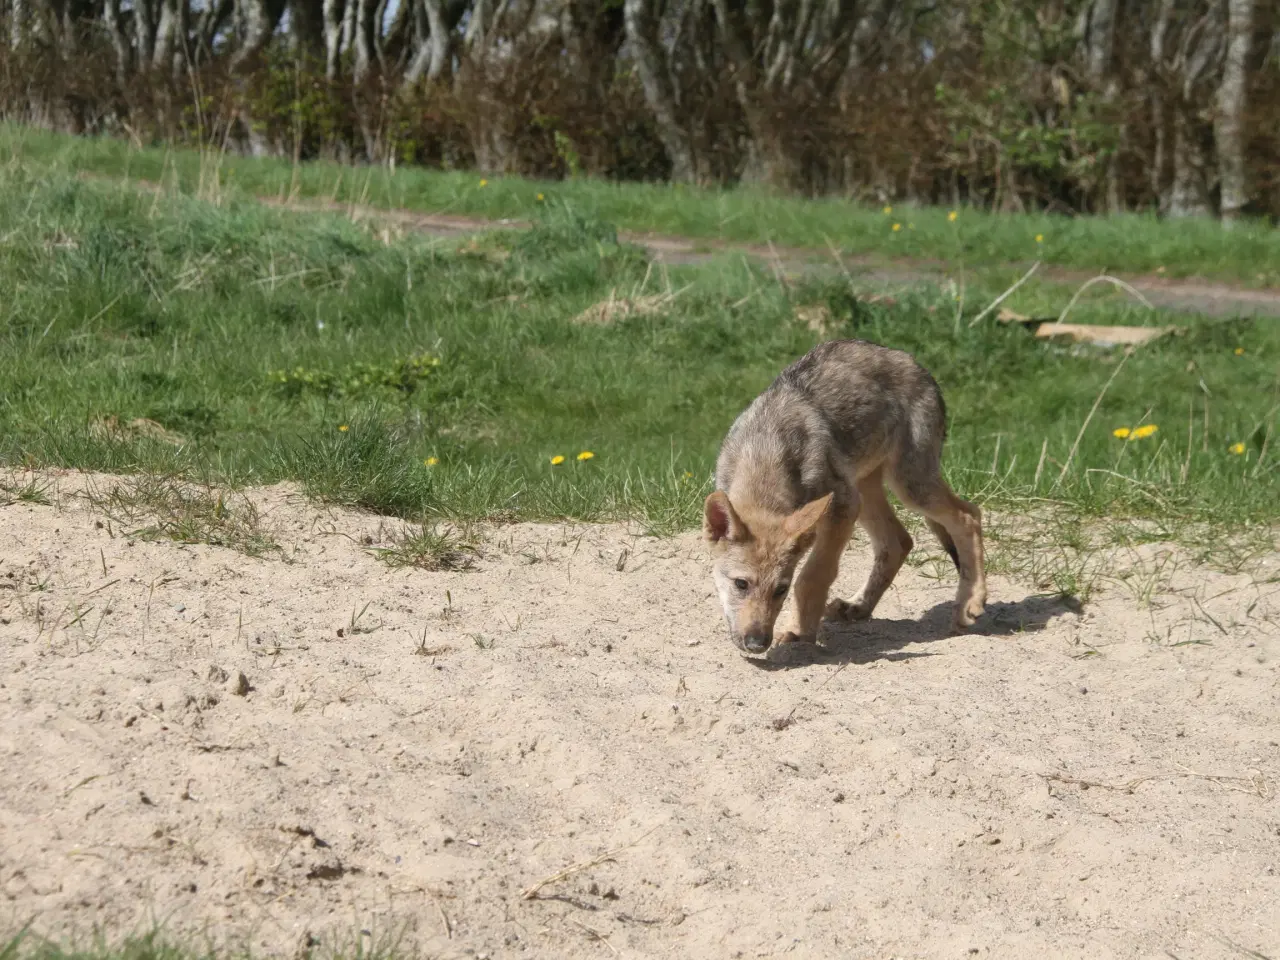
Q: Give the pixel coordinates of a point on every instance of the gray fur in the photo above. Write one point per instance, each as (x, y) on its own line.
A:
(830, 419)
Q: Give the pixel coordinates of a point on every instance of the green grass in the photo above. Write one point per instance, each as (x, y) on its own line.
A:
(33, 491)
(1249, 254)
(161, 944)
(431, 547)
(237, 344)
(159, 508)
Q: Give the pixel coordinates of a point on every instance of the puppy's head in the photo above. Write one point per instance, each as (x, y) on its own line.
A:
(754, 562)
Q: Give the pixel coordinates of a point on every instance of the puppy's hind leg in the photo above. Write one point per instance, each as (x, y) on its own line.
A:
(890, 542)
(921, 487)
(944, 538)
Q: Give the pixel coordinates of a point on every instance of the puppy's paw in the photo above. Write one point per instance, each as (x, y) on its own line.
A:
(967, 613)
(847, 610)
(792, 637)
(793, 648)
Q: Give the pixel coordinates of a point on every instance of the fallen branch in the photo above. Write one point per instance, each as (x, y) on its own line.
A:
(1103, 278)
(1004, 296)
(1256, 785)
(531, 892)
(444, 917)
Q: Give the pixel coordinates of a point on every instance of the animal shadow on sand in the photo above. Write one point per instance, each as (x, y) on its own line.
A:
(867, 640)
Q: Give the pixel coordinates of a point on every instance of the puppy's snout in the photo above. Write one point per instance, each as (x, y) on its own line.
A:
(756, 642)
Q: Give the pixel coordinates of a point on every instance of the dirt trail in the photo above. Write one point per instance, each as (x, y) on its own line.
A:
(284, 752)
(1182, 296)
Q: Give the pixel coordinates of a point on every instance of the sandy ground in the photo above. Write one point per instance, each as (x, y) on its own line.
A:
(193, 736)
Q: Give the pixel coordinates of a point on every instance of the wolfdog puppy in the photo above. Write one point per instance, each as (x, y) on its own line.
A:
(808, 459)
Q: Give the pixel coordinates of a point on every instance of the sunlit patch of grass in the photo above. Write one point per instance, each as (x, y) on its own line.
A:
(159, 944)
(150, 507)
(431, 547)
(32, 490)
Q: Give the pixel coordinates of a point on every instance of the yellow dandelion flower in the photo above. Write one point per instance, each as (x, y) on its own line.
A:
(1239, 351)
(557, 460)
(343, 428)
(541, 198)
(952, 216)
(585, 455)
(1236, 448)
(888, 210)
(1141, 433)
(484, 183)
(897, 227)
(431, 461)
(1039, 238)
(1121, 432)
(688, 475)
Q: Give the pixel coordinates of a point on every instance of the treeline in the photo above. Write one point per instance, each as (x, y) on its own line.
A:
(1071, 105)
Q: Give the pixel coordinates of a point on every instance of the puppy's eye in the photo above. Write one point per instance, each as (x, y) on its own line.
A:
(782, 589)
(741, 585)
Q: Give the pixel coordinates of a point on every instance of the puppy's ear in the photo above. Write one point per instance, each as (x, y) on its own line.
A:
(720, 521)
(802, 526)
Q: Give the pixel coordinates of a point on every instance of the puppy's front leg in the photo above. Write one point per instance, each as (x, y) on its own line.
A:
(818, 574)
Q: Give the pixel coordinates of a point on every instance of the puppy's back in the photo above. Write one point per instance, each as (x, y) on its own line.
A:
(839, 411)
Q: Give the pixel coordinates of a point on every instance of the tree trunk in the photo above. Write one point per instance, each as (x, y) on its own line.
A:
(17, 23)
(167, 40)
(770, 162)
(1189, 192)
(1159, 173)
(120, 45)
(1114, 183)
(1098, 36)
(306, 24)
(376, 38)
(864, 34)
(420, 48)
(659, 93)
(144, 32)
(211, 20)
(260, 21)
(431, 34)
(397, 44)
(362, 46)
(348, 37)
(1228, 129)
(768, 159)
(1200, 55)
(333, 19)
(1099, 39)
